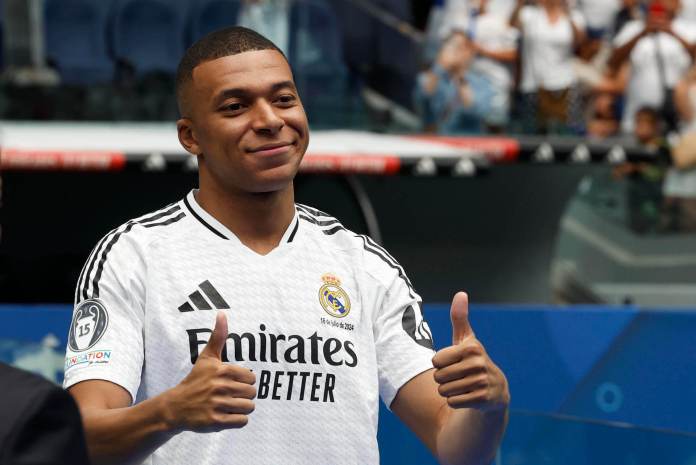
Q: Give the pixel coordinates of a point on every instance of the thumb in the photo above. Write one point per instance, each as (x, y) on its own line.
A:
(459, 313)
(217, 339)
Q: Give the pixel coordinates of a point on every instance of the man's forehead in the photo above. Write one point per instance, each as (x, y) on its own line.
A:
(253, 68)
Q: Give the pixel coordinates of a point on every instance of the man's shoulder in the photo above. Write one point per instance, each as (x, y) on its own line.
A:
(145, 228)
(628, 31)
(328, 228)
(371, 256)
(685, 28)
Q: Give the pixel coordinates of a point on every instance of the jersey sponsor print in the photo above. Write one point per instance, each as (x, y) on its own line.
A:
(328, 321)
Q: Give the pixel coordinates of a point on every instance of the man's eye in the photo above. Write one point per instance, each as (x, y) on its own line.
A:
(286, 99)
(233, 106)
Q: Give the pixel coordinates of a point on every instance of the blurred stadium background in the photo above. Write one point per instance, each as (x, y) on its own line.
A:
(573, 232)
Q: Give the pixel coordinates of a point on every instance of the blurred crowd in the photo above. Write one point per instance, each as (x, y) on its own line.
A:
(593, 68)
(567, 67)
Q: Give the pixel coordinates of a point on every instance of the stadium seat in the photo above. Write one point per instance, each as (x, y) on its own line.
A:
(358, 32)
(397, 55)
(75, 40)
(149, 35)
(211, 15)
(315, 40)
(316, 57)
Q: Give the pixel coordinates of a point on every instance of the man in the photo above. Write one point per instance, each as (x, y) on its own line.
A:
(313, 321)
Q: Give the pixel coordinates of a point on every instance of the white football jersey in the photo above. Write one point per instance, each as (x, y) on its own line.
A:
(328, 322)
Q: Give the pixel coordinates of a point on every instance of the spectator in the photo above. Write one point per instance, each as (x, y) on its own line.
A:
(648, 133)
(630, 11)
(550, 35)
(659, 50)
(644, 180)
(602, 119)
(495, 43)
(599, 15)
(685, 100)
(680, 183)
(452, 97)
(269, 18)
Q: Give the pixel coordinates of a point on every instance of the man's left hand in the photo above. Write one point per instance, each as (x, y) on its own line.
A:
(466, 375)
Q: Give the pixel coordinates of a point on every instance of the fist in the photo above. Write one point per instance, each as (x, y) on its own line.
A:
(215, 395)
(465, 374)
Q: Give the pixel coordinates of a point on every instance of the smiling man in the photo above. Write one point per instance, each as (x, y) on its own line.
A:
(238, 327)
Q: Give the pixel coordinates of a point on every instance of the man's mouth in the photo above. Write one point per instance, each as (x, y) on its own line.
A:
(276, 148)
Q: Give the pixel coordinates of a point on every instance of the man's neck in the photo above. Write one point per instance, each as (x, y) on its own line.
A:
(258, 220)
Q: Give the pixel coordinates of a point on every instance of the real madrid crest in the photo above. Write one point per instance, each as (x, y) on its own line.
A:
(333, 299)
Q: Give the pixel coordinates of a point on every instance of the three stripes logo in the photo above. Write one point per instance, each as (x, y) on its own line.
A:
(214, 300)
(416, 327)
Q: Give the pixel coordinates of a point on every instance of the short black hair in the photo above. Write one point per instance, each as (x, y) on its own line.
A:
(653, 113)
(221, 43)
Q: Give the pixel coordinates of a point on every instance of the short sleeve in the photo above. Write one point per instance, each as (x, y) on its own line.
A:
(578, 19)
(627, 33)
(105, 339)
(527, 15)
(403, 340)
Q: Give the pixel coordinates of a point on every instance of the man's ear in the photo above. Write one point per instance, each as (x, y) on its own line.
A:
(187, 138)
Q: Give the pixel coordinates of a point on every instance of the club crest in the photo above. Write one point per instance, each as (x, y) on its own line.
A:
(333, 299)
(88, 325)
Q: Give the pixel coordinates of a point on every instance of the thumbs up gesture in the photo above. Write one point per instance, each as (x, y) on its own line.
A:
(466, 376)
(215, 395)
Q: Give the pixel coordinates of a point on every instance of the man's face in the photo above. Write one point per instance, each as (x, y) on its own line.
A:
(246, 122)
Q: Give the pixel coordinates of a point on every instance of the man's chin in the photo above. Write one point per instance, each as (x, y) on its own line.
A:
(272, 185)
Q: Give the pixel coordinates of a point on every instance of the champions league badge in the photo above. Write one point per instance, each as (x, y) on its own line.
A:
(333, 299)
(88, 325)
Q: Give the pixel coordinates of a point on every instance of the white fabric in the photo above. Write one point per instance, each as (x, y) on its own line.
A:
(492, 32)
(645, 85)
(599, 14)
(687, 10)
(150, 271)
(680, 183)
(457, 14)
(269, 18)
(547, 55)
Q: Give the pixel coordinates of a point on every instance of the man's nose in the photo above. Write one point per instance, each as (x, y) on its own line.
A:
(265, 118)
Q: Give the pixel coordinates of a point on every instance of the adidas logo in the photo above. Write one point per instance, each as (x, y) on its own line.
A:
(200, 302)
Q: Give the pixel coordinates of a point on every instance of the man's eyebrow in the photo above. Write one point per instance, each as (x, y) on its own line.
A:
(240, 92)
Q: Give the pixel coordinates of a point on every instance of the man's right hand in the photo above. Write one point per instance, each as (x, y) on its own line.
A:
(215, 395)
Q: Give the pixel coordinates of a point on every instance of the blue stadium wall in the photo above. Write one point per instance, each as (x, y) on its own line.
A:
(590, 385)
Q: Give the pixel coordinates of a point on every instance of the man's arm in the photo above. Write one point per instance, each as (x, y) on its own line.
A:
(621, 53)
(460, 409)
(213, 397)
(115, 430)
(505, 55)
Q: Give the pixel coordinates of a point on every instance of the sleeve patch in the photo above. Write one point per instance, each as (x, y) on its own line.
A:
(88, 325)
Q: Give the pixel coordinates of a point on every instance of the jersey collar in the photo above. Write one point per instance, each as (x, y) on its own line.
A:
(220, 230)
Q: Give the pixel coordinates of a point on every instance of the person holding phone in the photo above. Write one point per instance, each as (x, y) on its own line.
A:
(659, 50)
